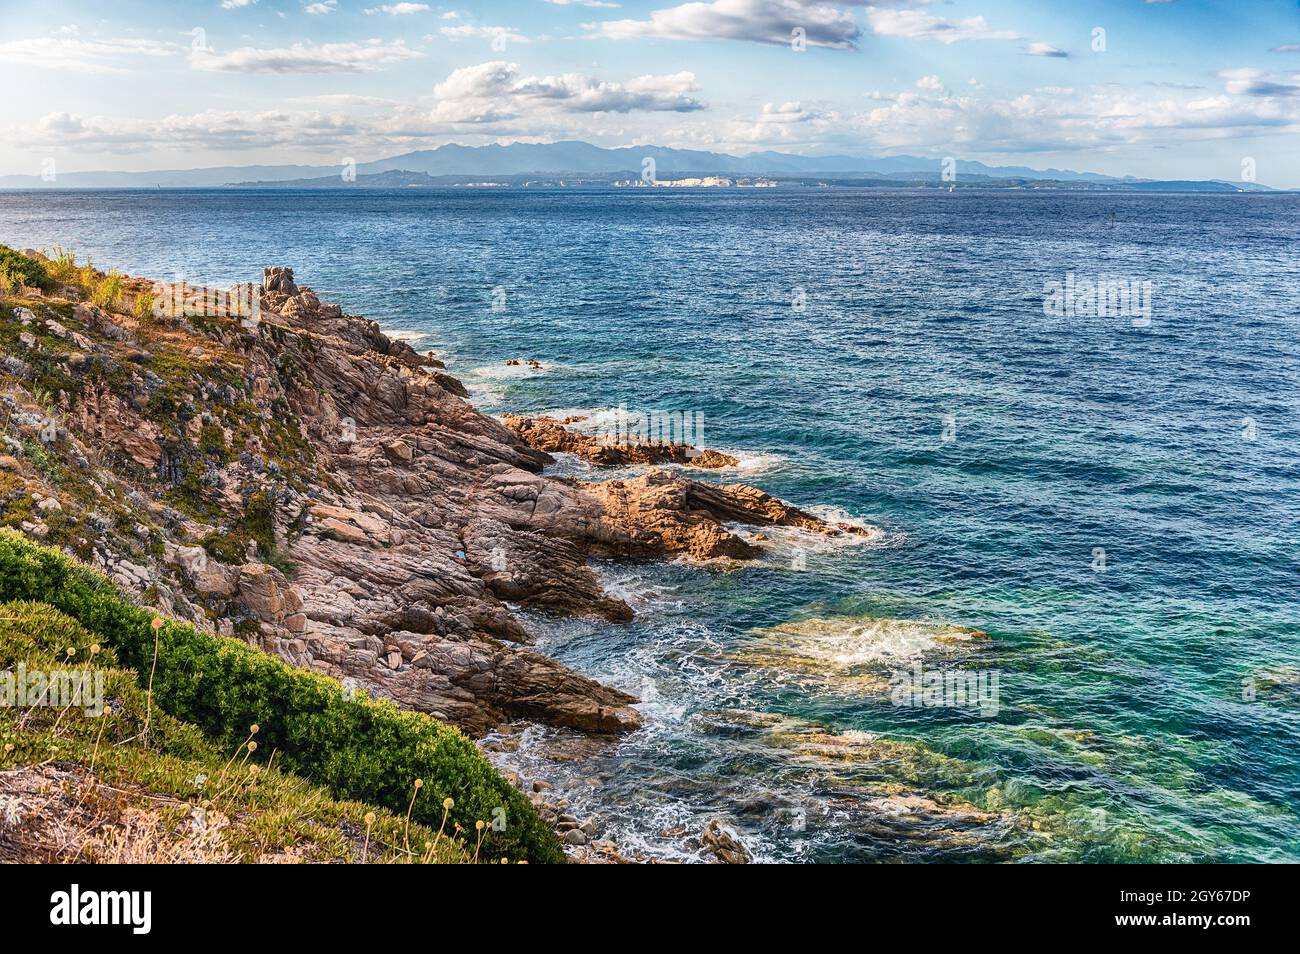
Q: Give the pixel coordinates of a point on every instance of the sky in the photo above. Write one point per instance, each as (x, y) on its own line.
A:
(1162, 90)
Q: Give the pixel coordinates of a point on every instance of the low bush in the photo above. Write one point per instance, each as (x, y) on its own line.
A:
(34, 631)
(126, 761)
(361, 749)
(17, 269)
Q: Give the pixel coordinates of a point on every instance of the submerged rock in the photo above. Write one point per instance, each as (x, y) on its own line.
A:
(721, 838)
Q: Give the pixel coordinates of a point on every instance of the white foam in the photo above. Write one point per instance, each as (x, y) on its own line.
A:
(844, 643)
(633, 588)
(752, 462)
(512, 372)
(571, 465)
(483, 393)
(784, 545)
(859, 736)
(404, 334)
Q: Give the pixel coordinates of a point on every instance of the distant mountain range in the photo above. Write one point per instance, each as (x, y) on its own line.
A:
(583, 163)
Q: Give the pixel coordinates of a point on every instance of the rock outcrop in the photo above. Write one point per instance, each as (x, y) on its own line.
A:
(721, 838)
(297, 478)
(548, 434)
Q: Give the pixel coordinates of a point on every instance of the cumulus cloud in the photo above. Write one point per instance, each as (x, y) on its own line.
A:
(304, 58)
(236, 4)
(498, 101)
(213, 129)
(397, 9)
(492, 92)
(1102, 119)
(755, 21)
(493, 100)
(919, 25)
(1252, 82)
(68, 52)
(1044, 49)
(319, 9)
(497, 33)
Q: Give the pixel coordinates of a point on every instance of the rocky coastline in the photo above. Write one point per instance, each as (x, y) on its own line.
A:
(296, 478)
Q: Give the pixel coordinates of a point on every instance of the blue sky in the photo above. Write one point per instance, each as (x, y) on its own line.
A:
(1178, 89)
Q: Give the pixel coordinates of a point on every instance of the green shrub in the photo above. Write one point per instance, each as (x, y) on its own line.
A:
(143, 308)
(35, 631)
(357, 748)
(38, 636)
(272, 814)
(107, 291)
(18, 269)
(227, 547)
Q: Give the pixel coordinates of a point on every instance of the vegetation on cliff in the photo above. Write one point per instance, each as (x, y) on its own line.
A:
(75, 786)
(206, 691)
(306, 497)
(17, 270)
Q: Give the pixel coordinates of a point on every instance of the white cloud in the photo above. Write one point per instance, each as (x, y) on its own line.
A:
(212, 129)
(492, 92)
(500, 34)
(1102, 119)
(236, 4)
(320, 9)
(500, 101)
(755, 21)
(398, 9)
(793, 112)
(493, 100)
(918, 25)
(582, 3)
(82, 56)
(824, 22)
(1253, 82)
(1044, 49)
(344, 101)
(304, 58)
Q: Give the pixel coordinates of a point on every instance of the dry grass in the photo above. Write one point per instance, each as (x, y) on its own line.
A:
(65, 814)
(51, 814)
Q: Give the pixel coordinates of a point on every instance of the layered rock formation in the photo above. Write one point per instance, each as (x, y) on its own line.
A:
(548, 434)
(295, 477)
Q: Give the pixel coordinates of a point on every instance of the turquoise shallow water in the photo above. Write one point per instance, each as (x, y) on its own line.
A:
(1149, 710)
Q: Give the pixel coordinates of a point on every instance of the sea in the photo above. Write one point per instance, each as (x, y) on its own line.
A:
(1073, 417)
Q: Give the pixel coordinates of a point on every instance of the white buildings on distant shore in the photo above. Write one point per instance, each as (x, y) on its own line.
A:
(704, 182)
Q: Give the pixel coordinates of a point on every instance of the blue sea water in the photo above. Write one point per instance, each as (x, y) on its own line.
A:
(1116, 504)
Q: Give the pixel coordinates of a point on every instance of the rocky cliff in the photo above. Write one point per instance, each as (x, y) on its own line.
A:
(289, 475)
